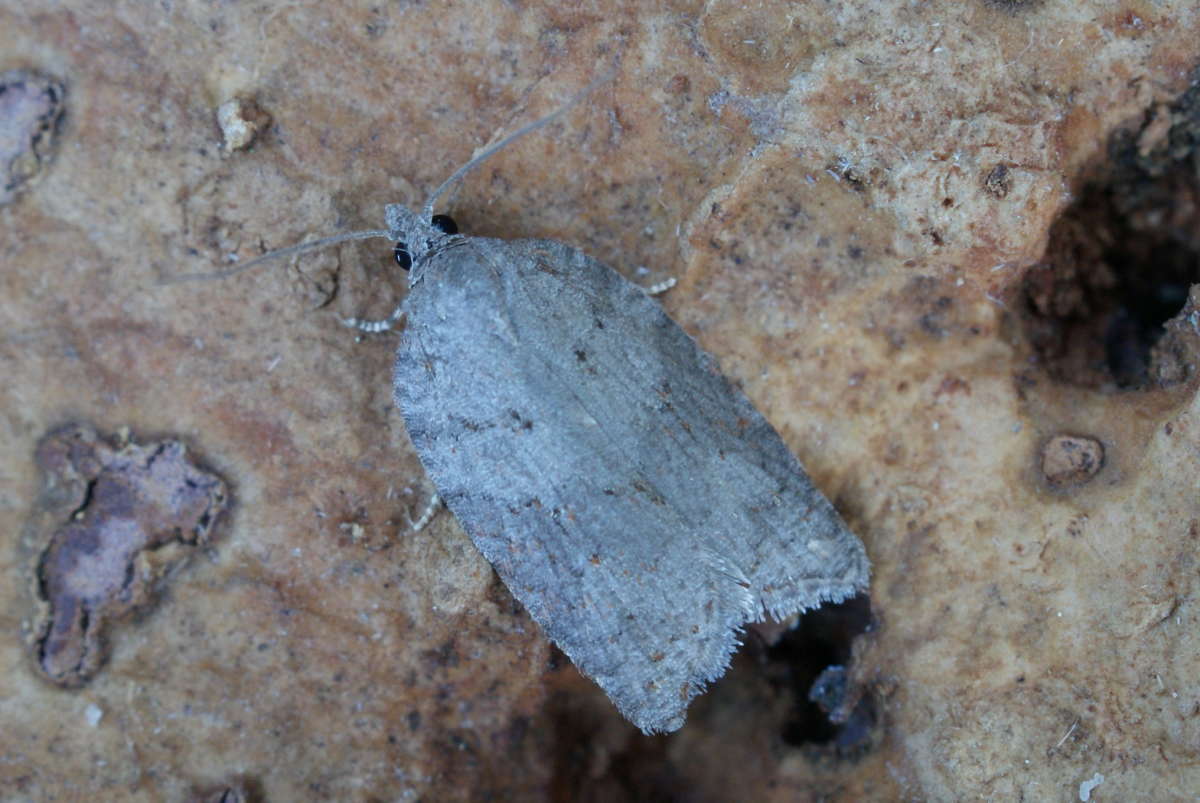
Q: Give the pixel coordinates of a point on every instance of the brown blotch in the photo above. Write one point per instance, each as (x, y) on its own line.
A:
(953, 384)
(679, 84)
(120, 516)
(1069, 460)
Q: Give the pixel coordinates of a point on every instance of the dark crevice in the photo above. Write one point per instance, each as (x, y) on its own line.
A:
(43, 581)
(85, 623)
(1120, 261)
(43, 589)
(125, 592)
(89, 493)
(154, 455)
(765, 699)
(828, 710)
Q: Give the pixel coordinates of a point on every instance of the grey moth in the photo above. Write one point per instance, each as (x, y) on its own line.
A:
(633, 500)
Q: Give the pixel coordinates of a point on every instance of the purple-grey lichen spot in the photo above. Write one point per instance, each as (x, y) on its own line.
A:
(31, 106)
(1071, 460)
(122, 515)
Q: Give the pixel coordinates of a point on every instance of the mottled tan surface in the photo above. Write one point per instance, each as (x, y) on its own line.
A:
(851, 201)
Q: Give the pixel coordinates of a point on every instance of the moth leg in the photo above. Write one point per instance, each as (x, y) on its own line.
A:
(374, 326)
(431, 510)
(661, 287)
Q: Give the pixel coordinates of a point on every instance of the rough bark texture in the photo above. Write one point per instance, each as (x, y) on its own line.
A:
(928, 239)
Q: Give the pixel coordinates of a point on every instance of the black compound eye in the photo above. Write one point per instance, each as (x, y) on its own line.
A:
(403, 258)
(444, 223)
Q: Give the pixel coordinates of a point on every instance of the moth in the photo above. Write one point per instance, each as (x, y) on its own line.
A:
(630, 497)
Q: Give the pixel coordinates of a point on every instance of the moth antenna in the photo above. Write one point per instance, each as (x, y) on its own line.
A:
(487, 152)
(281, 252)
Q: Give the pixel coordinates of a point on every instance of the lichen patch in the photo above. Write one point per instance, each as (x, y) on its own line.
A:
(31, 106)
(125, 515)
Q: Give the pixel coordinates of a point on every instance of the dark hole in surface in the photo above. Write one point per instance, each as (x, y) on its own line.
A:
(738, 732)
(1111, 279)
(812, 659)
(1120, 262)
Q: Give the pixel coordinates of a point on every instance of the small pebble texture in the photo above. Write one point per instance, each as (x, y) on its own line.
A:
(927, 239)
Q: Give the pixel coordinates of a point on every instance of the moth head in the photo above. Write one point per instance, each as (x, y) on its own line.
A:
(416, 234)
